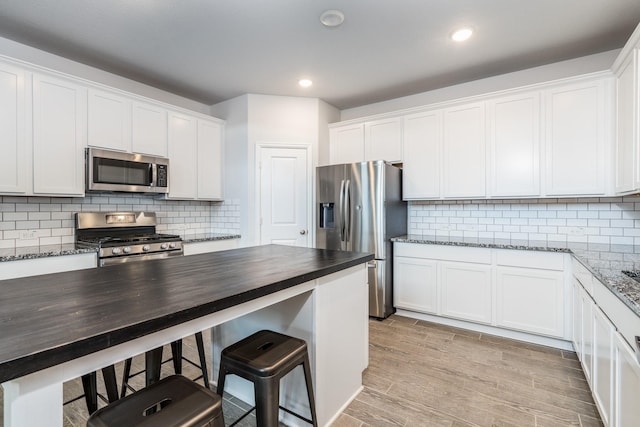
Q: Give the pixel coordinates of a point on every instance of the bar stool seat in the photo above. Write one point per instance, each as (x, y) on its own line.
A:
(264, 358)
(171, 402)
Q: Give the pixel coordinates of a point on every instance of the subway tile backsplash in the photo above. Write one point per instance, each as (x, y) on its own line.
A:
(591, 220)
(32, 221)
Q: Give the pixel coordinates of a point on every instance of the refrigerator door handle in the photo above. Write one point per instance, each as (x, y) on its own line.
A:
(347, 210)
(342, 210)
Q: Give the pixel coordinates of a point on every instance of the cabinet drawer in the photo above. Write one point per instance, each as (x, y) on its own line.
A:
(444, 252)
(583, 275)
(531, 259)
(626, 321)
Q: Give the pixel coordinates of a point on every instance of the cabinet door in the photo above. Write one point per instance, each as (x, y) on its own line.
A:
(59, 136)
(422, 148)
(466, 291)
(514, 135)
(627, 380)
(464, 167)
(530, 300)
(149, 129)
(626, 141)
(415, 285)
(587, 335)
(13, 149)
(109, 124)
(209, 160)
(603, 364)
(183, 175)
(347, 144)
(383, 140)
(576, 305)
(576, 132)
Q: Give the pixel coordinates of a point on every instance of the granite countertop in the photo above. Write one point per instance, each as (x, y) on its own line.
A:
(50, 319)
(32, 252)
(207, 237)
(606, 262)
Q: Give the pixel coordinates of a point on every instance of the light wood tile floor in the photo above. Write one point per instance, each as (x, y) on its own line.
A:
(423, 374)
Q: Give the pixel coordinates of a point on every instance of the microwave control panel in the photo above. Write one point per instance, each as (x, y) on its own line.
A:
(162, 176)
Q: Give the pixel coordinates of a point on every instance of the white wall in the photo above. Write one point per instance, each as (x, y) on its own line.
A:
(546, 73)
(34, 56)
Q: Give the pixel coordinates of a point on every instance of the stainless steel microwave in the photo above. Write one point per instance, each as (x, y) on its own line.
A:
(116, 171)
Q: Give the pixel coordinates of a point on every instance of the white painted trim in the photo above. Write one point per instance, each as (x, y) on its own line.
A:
(632, 43)
(491, 330)
(310, 181)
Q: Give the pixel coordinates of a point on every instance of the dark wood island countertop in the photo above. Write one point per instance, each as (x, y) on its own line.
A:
(50, 319)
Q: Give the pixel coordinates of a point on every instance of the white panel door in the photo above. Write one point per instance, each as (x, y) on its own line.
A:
(59, 136)
(13, 148)
(149, 129)
(587, 335)
(284, 196)
(530, 300)
(603, 364)
(109, 123)
(576, 305)
(209, 160)
(627, 380)
(346, 144)
(464, 167)
(575, 139)
(422, 148)
(183, 164)
(415, 285)
(514, 135)
(466, 291)
(627, 98)
(383, 140)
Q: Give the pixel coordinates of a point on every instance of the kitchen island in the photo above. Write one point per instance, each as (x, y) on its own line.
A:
(60, 326)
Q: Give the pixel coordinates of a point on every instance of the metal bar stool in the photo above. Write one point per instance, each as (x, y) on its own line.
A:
(90, 388)
(264, 358)
(153, 363)
(174, 401)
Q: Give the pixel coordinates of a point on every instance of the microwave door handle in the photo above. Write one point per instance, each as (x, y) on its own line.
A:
(153, 174)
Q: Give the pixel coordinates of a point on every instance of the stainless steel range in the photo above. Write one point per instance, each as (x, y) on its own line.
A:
(124, 237)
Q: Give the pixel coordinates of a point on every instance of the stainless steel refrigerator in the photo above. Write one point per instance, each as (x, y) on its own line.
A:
(360, 209)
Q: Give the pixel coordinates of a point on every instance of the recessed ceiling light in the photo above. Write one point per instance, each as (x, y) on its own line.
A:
(332, 18)
(305, 82)
(461, 34)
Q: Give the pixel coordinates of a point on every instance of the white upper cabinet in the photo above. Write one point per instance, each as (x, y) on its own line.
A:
(148, 129)
(13, 149)
(346, 144)
(59, 136)
(577, 134)
(383, 140)
(514, 145)
(464, 151)
(422, 148)
(210, 138)
(109, 124)
(183, 146)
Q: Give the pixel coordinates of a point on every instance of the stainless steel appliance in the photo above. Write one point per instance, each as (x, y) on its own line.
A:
(360, 208)
(116, 171)
(124, 237)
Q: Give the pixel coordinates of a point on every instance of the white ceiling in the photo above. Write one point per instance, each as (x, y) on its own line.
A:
(213, 50)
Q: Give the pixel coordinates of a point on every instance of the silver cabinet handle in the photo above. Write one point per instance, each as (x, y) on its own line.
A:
(303, 232)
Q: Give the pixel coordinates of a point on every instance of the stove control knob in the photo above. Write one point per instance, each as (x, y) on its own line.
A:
(126, 249)
(172, 245)
(164, 246)
(146, 248)
(116, 251)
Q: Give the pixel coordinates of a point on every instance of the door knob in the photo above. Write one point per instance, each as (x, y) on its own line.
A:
(303, 232)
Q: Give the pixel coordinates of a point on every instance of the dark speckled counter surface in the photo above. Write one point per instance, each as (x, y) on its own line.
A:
(32, 252)
(606, 262)
(207, 237)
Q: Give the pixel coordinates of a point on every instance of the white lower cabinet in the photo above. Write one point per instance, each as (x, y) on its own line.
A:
(195, 248)
(627, 384)
(416, 285)
(603, 364)
(466, 291)
(530, 300)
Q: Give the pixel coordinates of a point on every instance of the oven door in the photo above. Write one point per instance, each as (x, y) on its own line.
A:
(104, 262)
